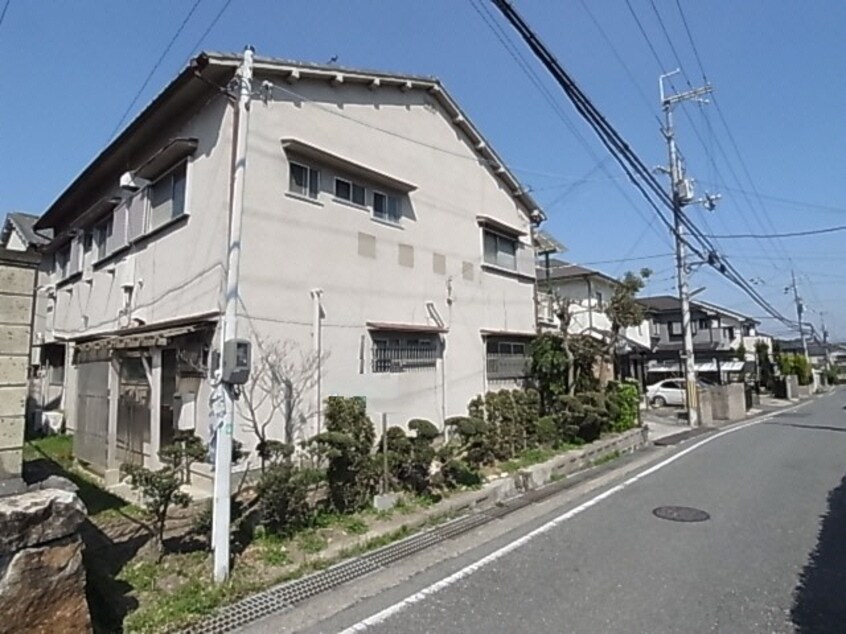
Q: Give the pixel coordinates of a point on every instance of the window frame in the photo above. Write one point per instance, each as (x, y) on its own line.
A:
(425, 347)
(672, 326)
(498, 237)
(353, 187)
(312, 177)
(387, 213)
(151, 188)
(102, 230)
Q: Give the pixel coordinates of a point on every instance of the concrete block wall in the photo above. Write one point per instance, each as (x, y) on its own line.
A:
(728, 402)
(17, 286)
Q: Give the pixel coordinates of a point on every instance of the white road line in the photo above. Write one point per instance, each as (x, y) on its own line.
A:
(384, 615)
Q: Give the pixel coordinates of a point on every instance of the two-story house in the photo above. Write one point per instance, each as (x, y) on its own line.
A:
(718, 335)
(381, 234)
(586, 293)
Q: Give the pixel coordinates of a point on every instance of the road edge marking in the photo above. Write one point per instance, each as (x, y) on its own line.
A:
(386, 613)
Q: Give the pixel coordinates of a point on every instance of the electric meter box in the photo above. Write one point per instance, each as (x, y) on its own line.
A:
(236, 361)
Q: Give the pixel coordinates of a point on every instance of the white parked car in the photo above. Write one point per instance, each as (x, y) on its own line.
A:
(668, 392)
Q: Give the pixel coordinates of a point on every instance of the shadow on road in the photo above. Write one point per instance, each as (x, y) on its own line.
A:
(800, 426)
(819, 602)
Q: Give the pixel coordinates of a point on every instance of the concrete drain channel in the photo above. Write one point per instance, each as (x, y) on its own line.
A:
(284, 597)
(681, 514)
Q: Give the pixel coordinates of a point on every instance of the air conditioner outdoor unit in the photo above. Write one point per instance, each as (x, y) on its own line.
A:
(132, 183)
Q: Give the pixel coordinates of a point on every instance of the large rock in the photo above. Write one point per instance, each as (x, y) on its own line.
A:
(42, 589)
(38, 517)
(42, 578)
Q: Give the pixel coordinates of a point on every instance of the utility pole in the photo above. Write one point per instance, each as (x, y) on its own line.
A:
(800, 310)
(681, 193)
(223, 433)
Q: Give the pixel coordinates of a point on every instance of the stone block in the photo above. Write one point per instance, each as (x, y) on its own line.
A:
(15, 309)
(14, 339)
(12, 369)
(11, 432)
(11, 464)
(12, 400)
(17, 279)
(38, 517)
(385, 501)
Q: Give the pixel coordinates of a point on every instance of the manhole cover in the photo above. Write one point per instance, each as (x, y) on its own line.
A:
(681, 514)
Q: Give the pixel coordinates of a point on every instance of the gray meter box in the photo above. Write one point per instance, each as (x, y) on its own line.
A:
(236, 361)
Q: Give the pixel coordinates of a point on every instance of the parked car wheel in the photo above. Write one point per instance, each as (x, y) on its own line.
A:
(659, 401)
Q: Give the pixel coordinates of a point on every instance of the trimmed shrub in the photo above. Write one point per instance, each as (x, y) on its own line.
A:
(283, 499)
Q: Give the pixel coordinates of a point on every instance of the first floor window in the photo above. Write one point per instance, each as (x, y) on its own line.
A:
(500, 250)
(167, 197)
(507, 360)
(304, 181)
(386, 207)
(404, 352)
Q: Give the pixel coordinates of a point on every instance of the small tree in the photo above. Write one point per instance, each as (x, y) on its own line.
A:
(161, 488)
(278, 388)
(765, 365)
(551, 367)
(347, 443)
(623, 311)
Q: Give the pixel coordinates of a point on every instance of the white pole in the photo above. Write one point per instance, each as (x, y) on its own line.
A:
(223, 440)
(317, 335)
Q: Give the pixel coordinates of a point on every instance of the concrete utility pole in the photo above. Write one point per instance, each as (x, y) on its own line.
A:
(800, 310)
(681, 192)
(223, 434)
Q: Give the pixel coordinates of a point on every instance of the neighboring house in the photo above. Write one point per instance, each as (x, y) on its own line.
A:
(718, 334)
(46, 370)
(817, 351)
(380, 231)
(587, 292)
(838, 357)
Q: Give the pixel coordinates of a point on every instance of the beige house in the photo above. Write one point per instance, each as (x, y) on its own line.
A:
(381, 234)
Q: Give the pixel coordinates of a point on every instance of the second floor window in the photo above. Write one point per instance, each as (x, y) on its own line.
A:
(102, 232)
(386, 207)
(167, 197)
(599, 299)
(347, 190)
(62, 260)
(304, 181)
(675, 328)
(703, 324)
(500, 250)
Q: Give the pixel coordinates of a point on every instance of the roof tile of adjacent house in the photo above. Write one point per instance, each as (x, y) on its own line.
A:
(23, 225)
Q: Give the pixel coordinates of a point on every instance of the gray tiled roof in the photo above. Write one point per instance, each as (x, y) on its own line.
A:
(23, 225)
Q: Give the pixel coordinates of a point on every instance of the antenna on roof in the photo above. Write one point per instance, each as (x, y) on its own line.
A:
(332, 60)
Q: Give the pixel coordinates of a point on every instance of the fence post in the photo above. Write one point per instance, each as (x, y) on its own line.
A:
(384, 453)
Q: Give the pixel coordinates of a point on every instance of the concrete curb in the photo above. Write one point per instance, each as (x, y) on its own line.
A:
(499, 490)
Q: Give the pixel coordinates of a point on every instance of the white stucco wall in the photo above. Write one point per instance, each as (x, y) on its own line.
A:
(292, 246)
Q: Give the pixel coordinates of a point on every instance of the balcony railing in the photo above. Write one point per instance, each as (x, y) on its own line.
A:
(503, 367)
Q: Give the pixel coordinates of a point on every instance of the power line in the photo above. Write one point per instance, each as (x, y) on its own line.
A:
(790, 234)
(3, 14)
(692, 43)
(202, 38)
(670, 41)
(631, 164)
(154, 68)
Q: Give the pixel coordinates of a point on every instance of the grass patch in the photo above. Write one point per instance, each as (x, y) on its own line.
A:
(607, 458)
(53, 455)
(273, 551)
(312, 542)
(354, 525)
(529, 457)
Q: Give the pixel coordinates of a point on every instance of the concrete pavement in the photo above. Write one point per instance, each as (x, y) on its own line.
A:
(610, 565)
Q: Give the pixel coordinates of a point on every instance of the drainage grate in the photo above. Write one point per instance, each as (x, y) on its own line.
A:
(681, 514)
(286, 596)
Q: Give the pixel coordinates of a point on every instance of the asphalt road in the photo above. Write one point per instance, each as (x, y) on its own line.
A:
(771, 558)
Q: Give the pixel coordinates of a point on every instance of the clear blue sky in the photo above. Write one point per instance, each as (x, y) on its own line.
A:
(72, 68)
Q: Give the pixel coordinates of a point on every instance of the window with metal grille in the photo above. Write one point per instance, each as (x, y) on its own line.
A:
(507, 359)
(404, 353)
